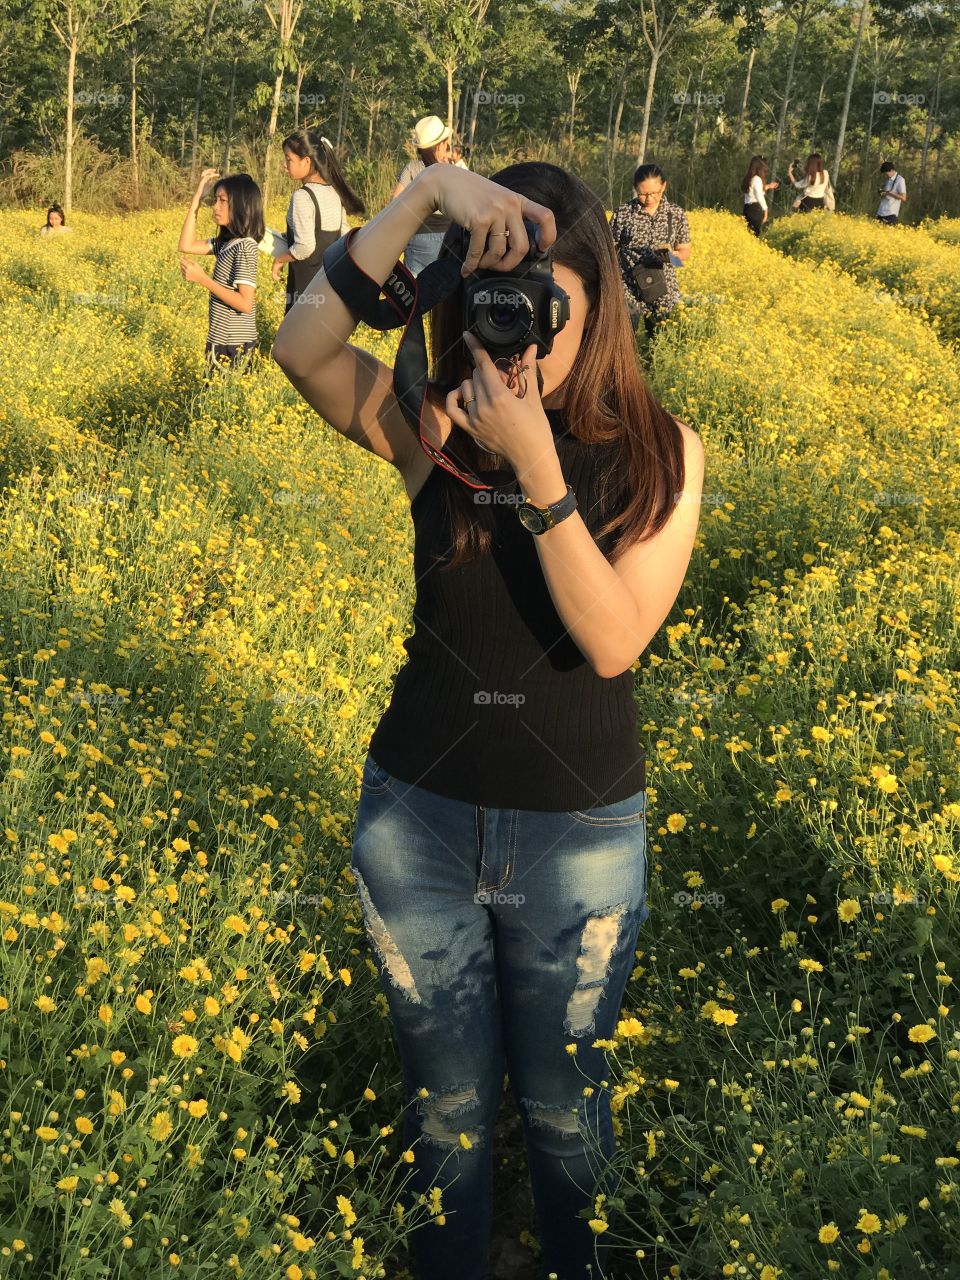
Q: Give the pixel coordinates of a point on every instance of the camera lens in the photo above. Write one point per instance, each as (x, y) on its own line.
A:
(503, 315)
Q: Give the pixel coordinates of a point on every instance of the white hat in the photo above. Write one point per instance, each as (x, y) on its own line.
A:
(429, 131)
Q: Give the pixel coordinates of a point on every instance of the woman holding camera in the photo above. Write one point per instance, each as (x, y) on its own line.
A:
(500, 851)
(652, 236)
(813, 182)
(431, 138)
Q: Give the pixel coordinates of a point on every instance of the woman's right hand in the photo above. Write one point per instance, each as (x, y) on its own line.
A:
(206, 179)
(487, 210)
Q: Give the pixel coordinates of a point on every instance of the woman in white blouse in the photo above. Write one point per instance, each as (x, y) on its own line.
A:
(813, 182)
(754, 188)
(317, 213)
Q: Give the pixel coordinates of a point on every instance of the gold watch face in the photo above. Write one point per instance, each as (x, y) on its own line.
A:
(531, 520)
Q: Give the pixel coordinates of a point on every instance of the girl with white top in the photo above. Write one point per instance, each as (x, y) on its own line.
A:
(813, 183)
(317, 213)
(754, 188)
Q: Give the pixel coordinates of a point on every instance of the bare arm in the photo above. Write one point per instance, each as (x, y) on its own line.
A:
(613, 611)
(240, 297)
(188, 232)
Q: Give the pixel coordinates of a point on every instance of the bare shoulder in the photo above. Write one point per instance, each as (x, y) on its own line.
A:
(693, 458)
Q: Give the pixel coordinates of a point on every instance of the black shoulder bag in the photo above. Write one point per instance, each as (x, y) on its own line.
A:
(651, 282)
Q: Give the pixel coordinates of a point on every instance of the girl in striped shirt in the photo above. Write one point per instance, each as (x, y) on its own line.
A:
(238, 213)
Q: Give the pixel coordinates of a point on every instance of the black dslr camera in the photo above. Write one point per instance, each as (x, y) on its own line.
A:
(507, 311)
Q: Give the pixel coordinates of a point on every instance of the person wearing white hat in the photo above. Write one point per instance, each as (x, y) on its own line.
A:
(431, 137)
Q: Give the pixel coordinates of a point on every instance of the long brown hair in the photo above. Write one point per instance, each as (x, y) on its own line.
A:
(606, 398)
(814, 166)
(757, 169)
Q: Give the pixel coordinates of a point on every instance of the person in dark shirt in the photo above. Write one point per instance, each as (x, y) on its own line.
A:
(650, 230)
(232, 316)
(499, 853)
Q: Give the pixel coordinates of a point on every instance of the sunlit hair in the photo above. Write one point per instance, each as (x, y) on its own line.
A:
(756, 169)
(307, 144)
(606, 399)
(245, 203)
(814, 166)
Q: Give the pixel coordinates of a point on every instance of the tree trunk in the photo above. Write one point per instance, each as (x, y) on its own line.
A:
(475, 106)
(134, 155)
(696, 114)
(781, 123)
(573, 82)
(931, 116)
(228, 140)
(845, 113)
(647, 107)
(816, 119)
(868, 142)
(342, 113)
(271, 133)
(746, 91)
(301, 72)
(68, 142)
(451, 67)
(615, 133)
(196, 106)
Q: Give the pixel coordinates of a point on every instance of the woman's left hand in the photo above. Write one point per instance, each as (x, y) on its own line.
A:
(500, 422)
(191, 271)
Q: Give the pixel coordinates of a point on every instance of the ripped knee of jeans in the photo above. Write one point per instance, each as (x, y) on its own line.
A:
(442, 1114)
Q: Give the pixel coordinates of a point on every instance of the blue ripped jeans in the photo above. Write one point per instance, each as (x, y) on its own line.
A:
(502, 934)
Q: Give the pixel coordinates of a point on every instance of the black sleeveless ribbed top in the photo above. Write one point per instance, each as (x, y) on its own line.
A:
(496, 704)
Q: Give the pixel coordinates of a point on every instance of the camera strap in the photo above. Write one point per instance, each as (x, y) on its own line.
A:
(405, 299)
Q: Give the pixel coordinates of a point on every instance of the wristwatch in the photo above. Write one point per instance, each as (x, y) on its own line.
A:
(540, 519)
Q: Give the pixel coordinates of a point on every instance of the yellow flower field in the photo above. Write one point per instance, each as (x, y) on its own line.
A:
(904, 265)
(203, 597)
